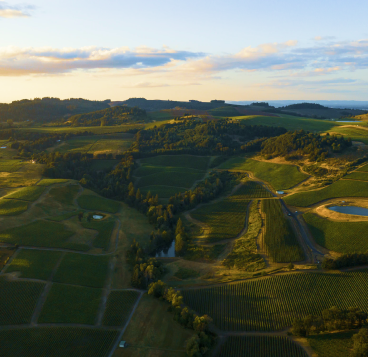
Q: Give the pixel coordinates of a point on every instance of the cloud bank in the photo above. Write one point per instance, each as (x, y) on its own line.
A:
(7, 11)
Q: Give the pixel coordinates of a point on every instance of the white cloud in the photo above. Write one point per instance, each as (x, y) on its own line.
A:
(11, 11)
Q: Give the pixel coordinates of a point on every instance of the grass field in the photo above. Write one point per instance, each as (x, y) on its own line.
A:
(356, 133)
(332, 344)
(93, 202)
(360, 176)
(119, 306)
(341, 188)
(12, 207)
(280, 240)
(27, 175)
(260, 346)
(8, 165)
(49, 182)
(41, 234)
(80, 269)
(63, 216)
(71, 304)
(225, 218)
(56, 342)
(279, 176)
(363, 168)
(341, 237)
(31, 193)
(290, 122)
(65, 194)
(272, 303)
(34, 264)
(152, 332)
(105, 229)
(18, 300)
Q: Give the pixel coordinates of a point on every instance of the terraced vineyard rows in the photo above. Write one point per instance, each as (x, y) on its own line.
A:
(251, 189)
(260, 346)
(280, 240)
(272, 303)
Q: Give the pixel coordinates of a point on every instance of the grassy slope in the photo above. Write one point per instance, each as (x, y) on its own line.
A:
(342, 237)
(12, 207)
(278, 175)
(332, 344)
(105, 229)
(356, 134)
(49, 182)
(65, 194)
(34, 264)
(360, 176)
(71, 304)
(341, 188)
(152, 332)
(9, 165)
(27, 193)
(90, 201)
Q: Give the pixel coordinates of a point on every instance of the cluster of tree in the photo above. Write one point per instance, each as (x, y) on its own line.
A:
(48, 109)
(196, 137)
(305, 106)
(203, 340)
(109, 116)
(145, 269)
(345, 261)
(331, 320)
(317, 147)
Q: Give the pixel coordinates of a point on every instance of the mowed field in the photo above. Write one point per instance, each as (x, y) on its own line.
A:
(273, 303)
(167, 175)
(279, 176)
(341, 188)
(56, 342)
(341, 237)
(260, 346)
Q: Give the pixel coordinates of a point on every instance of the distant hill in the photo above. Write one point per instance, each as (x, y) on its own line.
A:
(48, 109)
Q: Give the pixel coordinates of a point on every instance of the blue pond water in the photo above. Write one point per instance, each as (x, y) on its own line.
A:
(169, 253)
(348, 121)
(359, 211)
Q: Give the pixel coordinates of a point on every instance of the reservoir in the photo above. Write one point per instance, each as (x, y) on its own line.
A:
(167, 253)
(348, 121)
(97, 216)
(359, 211)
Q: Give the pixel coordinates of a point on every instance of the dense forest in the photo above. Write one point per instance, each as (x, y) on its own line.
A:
(109, 116)
(292, 144)
(48, 109)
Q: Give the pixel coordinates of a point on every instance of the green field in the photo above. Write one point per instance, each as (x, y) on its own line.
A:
(65, 194)
(119, 306)
(71, 304)
(8, 165)
(341, 237)
(152, 332)
(63, 216)
(272, 303)
(31, 193)
(225, 218)
(332, 344)
(81, 269)
(360, 176)
(161, 191)
(251, 189)
(105, 229)
(363, 168)
(279, 176)
(49, 182)
(41, 234)
(12, 207)
(18, 300)
(280, 240)
(356, 134)
(260, 346)
(291, 122)
(341, 188)
(187, 161)
(98, 203)
(56, 342)
(34, 264)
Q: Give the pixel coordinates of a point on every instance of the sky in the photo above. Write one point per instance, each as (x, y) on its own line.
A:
(158, 49)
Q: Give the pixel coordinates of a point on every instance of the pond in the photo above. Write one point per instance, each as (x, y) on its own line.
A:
(168, 252)
(348, 121)
(359, 211)
(97, 216)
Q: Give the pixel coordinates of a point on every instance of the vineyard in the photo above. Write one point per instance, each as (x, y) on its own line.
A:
(251, 189)
(56, 342)
(118, 307)
(225, 218)
(18, 300)
(342, 237)
(332, 344)
(271, 304)
(260, 346)
(360, 176)
(280, 240)
(105, 229)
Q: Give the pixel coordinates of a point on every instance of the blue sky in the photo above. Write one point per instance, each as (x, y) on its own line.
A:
(232, 50)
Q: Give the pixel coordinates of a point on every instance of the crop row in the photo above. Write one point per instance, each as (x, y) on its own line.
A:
(260, 346)
(273, 303)
(280, 240)
(251, 189)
